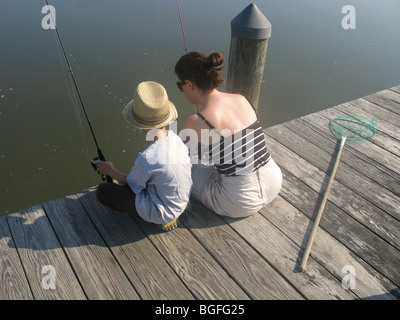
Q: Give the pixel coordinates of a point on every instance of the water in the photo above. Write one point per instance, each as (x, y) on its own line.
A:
(312, 64)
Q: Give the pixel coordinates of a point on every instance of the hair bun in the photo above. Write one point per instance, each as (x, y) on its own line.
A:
(215, 59)
(202, 70)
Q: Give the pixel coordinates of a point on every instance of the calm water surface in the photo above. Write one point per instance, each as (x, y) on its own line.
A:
(45, 146)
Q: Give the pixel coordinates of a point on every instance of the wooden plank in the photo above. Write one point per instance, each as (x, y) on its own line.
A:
(142, 263)
(329, 252)
(358, 161)
(388, 135)
(353, 204)
(13, 282)
(385, 160)
(99, 274)
(387, 99)
(362, 185)
(371, 248)
(281, 252)
(388, 117)
(202, 275)
(38, 247)
(359, 239)
(250, 271)
(358, 155)
(311, 128)
(395, 89)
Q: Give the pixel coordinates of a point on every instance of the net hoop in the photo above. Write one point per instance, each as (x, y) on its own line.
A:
(353, 128)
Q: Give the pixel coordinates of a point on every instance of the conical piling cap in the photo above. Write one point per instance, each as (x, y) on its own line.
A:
(251, 24)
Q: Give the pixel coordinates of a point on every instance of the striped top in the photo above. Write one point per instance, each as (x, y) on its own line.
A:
(239, 154)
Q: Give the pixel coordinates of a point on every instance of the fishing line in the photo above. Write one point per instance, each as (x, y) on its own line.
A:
(157, 41)
(74, 100)
(184, 38)
(99, 152)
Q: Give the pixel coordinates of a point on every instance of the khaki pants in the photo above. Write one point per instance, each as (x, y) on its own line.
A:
(236, 196)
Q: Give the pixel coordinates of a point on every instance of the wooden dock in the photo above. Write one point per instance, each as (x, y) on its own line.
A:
(97, 253)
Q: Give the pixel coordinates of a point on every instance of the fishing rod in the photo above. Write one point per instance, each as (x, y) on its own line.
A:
(180, 20)
(184, 38)
(99, 152)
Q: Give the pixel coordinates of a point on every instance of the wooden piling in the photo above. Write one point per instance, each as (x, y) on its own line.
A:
(250, 31)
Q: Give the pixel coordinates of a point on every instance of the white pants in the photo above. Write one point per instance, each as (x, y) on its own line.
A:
(236, 196)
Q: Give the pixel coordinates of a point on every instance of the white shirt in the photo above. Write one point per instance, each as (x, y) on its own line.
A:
(161, 179)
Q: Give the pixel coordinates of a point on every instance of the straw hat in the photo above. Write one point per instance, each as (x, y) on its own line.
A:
(150, 107)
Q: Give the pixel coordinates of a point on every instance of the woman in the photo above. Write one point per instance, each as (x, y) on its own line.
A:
(242, 177)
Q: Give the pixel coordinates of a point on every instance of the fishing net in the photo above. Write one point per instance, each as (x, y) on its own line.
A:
(345, 128)
(353, 128)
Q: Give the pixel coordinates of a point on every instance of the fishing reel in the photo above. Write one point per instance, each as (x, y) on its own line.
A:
(94, 163)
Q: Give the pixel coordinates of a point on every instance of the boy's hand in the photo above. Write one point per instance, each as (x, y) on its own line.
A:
(108, 169)
(105, 168)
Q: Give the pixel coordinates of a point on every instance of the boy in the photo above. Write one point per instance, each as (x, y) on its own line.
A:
(159, 185)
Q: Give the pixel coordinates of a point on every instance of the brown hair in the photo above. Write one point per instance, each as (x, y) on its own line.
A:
(202, 70)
